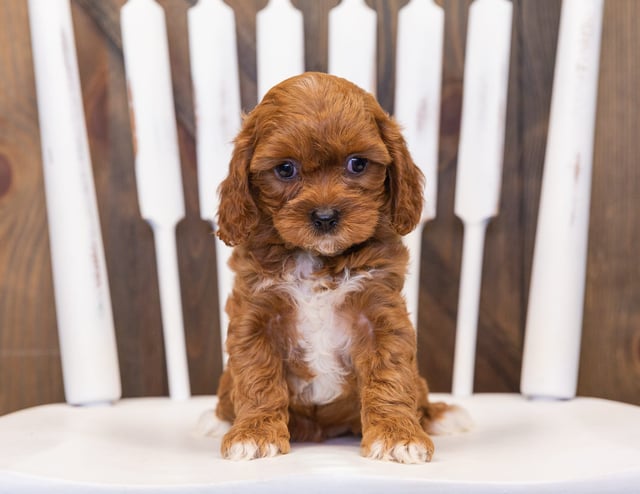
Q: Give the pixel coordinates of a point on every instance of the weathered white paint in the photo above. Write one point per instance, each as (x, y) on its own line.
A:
(280, 44)
(83, 303)
(418, 85)
(556, 296)
(480, 154)
(158, 174)
(216, 89)
(352, 43)
(417, 109)
(468, 307)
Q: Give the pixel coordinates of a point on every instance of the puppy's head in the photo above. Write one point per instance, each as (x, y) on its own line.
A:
(319, 161)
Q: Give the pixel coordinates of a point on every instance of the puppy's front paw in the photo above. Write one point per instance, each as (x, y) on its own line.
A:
(391, 445)
(248, 443)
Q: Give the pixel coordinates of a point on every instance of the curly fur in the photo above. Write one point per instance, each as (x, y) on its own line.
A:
(319, 340)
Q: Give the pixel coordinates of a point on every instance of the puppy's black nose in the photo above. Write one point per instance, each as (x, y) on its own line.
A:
(324, 219)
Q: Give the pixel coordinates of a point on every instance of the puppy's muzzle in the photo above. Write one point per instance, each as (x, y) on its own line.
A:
(325, 220)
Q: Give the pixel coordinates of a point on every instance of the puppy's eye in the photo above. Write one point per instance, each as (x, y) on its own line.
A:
(356, 165)
(286, 170)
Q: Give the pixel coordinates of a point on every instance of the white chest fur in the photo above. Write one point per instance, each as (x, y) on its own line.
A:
(324, 333)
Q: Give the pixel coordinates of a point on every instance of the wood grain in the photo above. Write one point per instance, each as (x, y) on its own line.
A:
(133, 261)
(29, 357)
(610, 363)
(128, 239)
(442, 238)
(30, 371)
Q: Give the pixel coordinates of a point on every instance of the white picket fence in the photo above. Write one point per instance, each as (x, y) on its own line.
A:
(90, 360)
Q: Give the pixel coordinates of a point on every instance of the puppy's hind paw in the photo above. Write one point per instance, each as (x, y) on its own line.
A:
(451, 420)
(210, 425)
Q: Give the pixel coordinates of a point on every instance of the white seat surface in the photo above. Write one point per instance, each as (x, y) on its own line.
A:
(589, 445)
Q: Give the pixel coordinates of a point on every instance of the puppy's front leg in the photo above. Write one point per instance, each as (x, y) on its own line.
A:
(386, 367)
(258, 393)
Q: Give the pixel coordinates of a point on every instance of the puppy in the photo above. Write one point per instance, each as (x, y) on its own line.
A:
(321, 187)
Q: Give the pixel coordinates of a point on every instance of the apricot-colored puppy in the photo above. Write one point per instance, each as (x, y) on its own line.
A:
(321, 188)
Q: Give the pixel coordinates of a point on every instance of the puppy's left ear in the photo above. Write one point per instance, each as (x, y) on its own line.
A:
(406, 181)
(237, 211)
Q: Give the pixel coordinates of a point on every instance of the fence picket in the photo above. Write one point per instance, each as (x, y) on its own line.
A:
(158, 173)
(480, 155)
(83, 303)
(417, 109)
(352, 43)
(551, 353)
(214, 71)
(279, 44)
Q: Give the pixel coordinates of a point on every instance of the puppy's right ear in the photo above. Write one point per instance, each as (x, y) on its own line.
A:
(237, 211)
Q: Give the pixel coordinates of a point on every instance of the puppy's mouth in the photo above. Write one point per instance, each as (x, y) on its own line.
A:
(325, 230)
(329, 237)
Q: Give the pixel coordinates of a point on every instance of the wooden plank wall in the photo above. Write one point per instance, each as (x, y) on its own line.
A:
(29, 358)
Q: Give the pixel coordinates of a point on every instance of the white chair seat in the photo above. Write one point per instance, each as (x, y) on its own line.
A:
(586, 445)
